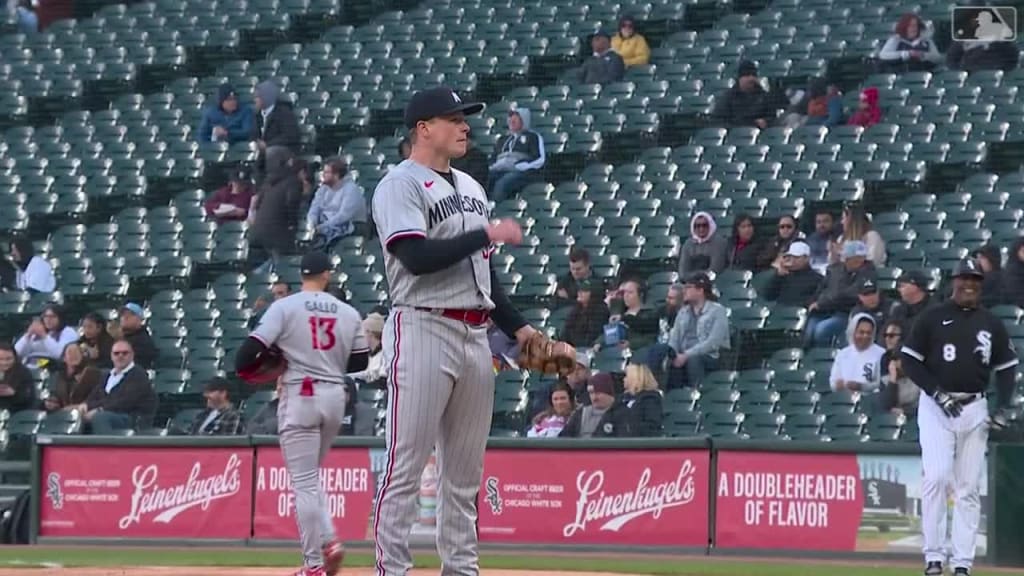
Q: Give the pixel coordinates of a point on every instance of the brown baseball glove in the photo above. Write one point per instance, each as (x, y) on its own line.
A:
(547, 356)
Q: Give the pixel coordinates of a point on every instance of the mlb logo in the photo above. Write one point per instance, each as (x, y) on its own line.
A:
(984, 24)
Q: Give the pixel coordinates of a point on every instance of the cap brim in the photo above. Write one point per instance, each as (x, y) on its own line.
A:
(469, 109)
(971, 273)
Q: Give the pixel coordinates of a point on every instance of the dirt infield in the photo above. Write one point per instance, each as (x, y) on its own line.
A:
(225, 571)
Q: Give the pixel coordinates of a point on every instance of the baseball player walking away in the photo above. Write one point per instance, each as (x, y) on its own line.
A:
(952, 352)
(315, 338)
(434, 226)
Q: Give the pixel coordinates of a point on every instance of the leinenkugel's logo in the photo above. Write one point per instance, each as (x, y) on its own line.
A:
(617, 510)
(53, 491)
(493, 495)
(167, 502)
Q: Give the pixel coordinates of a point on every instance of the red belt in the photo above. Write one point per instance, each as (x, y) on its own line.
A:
(471, 317)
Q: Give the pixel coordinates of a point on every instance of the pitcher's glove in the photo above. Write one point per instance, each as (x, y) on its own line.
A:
(548, 356)
(270, 364)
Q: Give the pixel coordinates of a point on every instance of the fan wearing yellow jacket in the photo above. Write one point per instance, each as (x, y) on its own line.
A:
(631, 45)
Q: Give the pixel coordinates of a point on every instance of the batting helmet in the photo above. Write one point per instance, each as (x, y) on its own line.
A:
(269, 366)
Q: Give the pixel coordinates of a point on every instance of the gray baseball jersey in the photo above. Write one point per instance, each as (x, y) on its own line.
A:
(415, 201)
(316, 332)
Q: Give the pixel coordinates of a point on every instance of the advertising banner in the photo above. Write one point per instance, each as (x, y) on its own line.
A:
(346, 479)
(822, 502)
(114, 492)
(617, 497)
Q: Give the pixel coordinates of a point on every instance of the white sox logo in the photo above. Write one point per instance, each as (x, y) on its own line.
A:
(873, 494)
(167, 503)
(494, 496)
(984, 348)
(53, 491)
(617, 510)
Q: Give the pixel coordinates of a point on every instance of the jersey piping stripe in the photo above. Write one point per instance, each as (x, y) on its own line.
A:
(1006, 365)
(410, 233)
(393, 422)
(259, 339)
(913, 353)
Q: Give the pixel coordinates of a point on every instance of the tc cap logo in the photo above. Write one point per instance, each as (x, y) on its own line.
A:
(984, 23)
(456, 98)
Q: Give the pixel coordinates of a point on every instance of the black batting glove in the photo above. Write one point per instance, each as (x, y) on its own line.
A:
(950, 406)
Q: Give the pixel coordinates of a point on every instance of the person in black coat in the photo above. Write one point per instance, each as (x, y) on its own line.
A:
(275, 124)
(17, 388)
(794, 282)
(1013, 275)
(275, 212)
(992, 264)
(743, 246)
(585, 324)
(643, 398)
(135, 333)
(124, 398)
(605, 417)
(475, 161)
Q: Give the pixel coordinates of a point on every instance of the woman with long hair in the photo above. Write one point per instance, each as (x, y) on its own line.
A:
(549, 423)
(75, 380)
(96, 341)
(743, 246)
(17, 388)
(857, 226)
(46, 337)
(643, 397)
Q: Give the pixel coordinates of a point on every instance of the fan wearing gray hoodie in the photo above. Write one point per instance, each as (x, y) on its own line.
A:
(704, 250)
(518, 157)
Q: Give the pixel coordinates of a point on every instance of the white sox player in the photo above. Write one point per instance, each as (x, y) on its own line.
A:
(321, 338)
(434, 225)
(951, 354)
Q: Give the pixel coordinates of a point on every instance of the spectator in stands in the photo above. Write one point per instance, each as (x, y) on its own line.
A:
(820, 105)
(979, 55)
(220, 417)
(871, 301)
(585, 323)
(856, 367)
(857, 226)
(743, 247)
(278, 290)
(604, 66)
(46, 337)
(550, 422)
(338, 208)
(125, 398)
(74, 380)
(28, 20)
(95, 340)
(630, 44)
(668, 313)
(772, 252)
(579, 270)
(405, 149)
(17, 387)
(475, 161)
(868, 111)
(275, 120)
(577, 380)
(643, 398)
(27, 271)
(899, 394)
(604, 417)
(821, 240)
(794, 282)
(704, 249)
(360, 417)
(991, 262)
(910, 49)
(914, 298)
(374, 374)
(275, 210)
(837, 295)
(1013, 277)
(133, 330)
(265, 421)
(231, 202)
(700, 334)
(227, 120)
(517, 157)
(628, 308)
(747, 103)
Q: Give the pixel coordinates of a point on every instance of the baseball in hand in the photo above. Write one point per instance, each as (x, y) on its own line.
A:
(505, 231)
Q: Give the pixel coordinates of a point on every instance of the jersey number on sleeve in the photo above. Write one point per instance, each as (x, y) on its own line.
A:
(322, 330)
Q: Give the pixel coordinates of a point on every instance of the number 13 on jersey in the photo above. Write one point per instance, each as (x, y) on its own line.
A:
(322, 330)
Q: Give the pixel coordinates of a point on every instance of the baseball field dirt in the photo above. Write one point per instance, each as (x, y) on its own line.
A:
(229, 571)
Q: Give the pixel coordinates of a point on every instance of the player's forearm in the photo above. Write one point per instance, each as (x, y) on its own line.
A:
(1005, 385)
(919, 374)
(426, 256)
(505, 315)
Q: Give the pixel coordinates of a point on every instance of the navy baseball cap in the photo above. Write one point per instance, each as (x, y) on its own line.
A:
(435, 102)
(314, 263)
(969, 268)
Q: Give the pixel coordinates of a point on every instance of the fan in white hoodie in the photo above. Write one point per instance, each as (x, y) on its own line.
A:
(858, 366)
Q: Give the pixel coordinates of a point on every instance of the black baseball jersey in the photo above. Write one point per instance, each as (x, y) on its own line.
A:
(960, 347)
